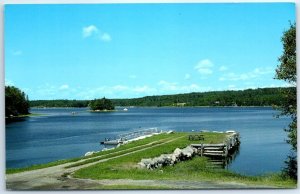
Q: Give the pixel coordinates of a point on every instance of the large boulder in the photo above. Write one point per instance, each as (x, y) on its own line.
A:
(188, 152)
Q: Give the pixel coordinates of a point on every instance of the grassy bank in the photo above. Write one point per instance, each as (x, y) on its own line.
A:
(122, 163)
(197, 169)
(117, 151)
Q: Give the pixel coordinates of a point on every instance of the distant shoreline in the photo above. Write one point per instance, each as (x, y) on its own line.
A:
(245, 98)
(157, 107)
(24, 116)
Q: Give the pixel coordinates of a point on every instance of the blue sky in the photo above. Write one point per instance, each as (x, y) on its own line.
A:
(135, 50)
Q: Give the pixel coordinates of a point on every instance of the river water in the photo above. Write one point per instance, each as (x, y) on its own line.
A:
(59, 134)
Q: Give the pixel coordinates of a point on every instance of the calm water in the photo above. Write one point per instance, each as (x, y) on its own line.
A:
(59, 135)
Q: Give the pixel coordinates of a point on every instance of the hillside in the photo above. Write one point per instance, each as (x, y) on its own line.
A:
(249, 97)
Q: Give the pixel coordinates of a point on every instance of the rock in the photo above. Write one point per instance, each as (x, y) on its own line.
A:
(188, 152)
(105, 149)
(89, 153)
(177, 152)
(170, 132)
(168, 159)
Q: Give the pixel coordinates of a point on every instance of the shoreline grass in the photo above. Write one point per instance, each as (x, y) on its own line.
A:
(125, 166)
(197, 169)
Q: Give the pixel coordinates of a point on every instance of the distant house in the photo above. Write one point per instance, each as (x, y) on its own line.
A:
(180, 104)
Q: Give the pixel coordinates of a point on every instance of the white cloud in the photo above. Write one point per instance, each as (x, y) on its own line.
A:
(93, 31)
(64, 87)
(257, 72)
(223, 68)
(204, 67)
(89, 31)
(105, 37)
(187, 76)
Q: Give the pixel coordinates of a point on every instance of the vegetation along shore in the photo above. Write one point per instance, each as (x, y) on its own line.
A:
(249, 97)
(119, 168)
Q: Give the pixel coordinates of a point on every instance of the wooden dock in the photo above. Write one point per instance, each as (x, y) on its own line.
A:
(219, 150)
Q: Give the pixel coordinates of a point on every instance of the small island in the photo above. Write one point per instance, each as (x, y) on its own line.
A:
(101, 105)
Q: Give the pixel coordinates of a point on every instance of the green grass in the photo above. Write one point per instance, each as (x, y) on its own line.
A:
(125, 167)
(114, 168)
(196, 170)
(154, 140)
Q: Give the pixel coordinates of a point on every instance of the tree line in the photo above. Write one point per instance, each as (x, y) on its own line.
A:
(59, 103)
(16, 102)
(249, 97)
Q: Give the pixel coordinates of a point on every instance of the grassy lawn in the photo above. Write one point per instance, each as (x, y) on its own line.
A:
(198, 168)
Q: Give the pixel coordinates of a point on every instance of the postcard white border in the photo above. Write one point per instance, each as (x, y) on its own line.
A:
(2, 118)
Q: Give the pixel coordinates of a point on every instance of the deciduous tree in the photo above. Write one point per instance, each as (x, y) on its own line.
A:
(286, 71)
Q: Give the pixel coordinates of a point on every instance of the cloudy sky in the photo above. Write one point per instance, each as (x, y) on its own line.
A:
(134, 50)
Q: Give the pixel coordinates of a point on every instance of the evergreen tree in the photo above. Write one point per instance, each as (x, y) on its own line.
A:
(16, 102)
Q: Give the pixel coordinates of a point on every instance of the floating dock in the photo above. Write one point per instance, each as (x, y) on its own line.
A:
(130, 135)
(112, 142)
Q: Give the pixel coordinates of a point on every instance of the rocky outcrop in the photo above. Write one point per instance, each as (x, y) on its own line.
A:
(168, 159)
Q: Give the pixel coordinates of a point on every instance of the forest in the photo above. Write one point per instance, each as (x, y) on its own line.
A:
(248, 97)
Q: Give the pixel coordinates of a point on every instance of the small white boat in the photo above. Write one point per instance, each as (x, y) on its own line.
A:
(230, 131)
(125, 109)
